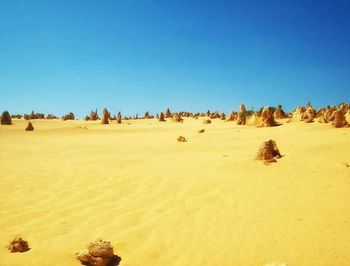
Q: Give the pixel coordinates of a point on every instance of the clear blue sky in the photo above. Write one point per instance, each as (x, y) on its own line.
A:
(138, 55)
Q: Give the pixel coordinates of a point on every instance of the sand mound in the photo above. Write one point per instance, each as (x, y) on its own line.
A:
(18, 245)
(29, 127)
(279, 113)
(268, 151)
(242, 116)
(181, 139)
(6, 118)
(161, 117)
(105, 117)
(98, 253)
(69, 116)
(206, 121)
(267, 118)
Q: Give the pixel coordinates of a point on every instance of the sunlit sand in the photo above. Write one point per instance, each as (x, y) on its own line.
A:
(205, 201)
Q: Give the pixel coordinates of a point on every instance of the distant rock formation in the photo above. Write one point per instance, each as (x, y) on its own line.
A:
(147, 115)
(222, 116)
(17, 116)
(268, 152)
(167, 113)
(51, 116)
(18, 245)
(6, 118)
(232, 117)
(69, 116)
(279, 113)
(105, 117)
(119, 118)
(177, 118)
(29, 127)
(162, 117)
(242, 116)
(98, 253)
(34, 115)
(93, 115)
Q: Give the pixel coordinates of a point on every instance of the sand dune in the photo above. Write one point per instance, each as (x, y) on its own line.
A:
(161, 202)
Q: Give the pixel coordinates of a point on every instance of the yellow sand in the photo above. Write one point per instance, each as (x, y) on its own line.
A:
(162, 202)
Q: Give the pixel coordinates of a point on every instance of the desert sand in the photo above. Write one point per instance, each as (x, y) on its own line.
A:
(163, 202)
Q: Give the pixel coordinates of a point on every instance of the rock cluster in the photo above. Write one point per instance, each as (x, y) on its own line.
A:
(69, 116)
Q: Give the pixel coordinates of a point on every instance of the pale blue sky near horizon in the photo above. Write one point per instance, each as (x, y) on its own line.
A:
(134, 56)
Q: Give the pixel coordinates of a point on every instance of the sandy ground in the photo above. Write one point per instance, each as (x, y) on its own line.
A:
(162, 202)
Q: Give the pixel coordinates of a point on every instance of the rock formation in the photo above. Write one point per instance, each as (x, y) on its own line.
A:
(232, 117)
(29, 127)
(147, 115)
(279, 113)
(206, 121)
(105, 117)
(309, 114)
(177, 118)
(339, 118)
(18, 116)
(18, 245)
(94, 115)
(268, 152)
(6, 118)
(222, 116)
(267, 118)
(69, 116)
(297, 115)
(201, 130)
(161, 117)
(51, 116)
(119, 118)
(242, 116)
(167, 113)
(98, 253)
(254, 119)
(181, 139)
